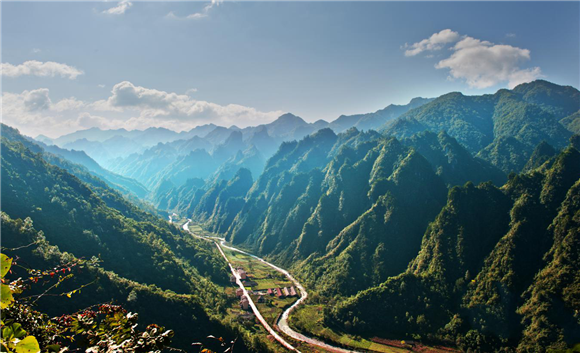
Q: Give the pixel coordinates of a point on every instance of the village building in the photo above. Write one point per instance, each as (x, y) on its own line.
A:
(278, 292)
(244, 303)
(242, 274)
(270, 291)
(239, 292)
(250, 283)
(286, 292)
(293, 292)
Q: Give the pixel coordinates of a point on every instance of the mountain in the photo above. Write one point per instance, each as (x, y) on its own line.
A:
(572, 122)
(261, 139)
(196, 164)
(497, 125)
(199, 131)
(250, 159)
(122, 184)
(96, 150)
(164, 266)
(377, 119)
(194, 143)
(44, 139)
(144, 167)
(494, 269)
(316, 193)
(92, 134)
(218, 135)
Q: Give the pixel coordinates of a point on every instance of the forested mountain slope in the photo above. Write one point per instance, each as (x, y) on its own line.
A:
(503, 127)
(496, 268)
(125, 185)
(349, 205)
(139, 252)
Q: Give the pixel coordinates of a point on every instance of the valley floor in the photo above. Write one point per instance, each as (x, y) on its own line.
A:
(302, 322)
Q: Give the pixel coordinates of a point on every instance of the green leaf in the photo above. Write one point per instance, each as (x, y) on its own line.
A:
(5, 296)
(6, 263)
(28, 345)
(18, 330)
(53, 348)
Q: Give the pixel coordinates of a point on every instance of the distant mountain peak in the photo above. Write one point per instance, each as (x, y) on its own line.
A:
(289, 117)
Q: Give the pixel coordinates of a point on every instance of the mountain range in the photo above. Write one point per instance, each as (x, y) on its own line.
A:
(452, 221)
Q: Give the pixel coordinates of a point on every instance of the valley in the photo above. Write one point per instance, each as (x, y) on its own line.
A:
(266, 276)
(451, 227)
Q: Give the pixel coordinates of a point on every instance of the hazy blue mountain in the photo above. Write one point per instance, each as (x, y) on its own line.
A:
(377, 119)
(251, 159)
(196, 164)
(262, 140)
(191, 144)
(92, 134)
(95, 149)
(44, 139)
(218, 135)
(122, 184)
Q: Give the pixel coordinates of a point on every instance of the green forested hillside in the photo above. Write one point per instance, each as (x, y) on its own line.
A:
(503, 127)
(186, 314)
(497, 268)
(122, 184)
(346, 211)
(175, 277)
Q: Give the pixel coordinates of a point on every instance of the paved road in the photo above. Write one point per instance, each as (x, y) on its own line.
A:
(283, 321)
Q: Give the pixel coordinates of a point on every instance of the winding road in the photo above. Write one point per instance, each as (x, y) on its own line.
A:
(282, 323)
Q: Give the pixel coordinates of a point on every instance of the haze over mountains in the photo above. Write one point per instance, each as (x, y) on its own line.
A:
(452, 220)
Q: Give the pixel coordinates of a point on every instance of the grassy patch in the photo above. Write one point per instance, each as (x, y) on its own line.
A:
(309, 320)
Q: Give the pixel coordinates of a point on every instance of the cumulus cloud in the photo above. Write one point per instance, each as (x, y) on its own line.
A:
(41, 69)
(480, 63)
(483, 64)
(196, 15)
(68, 104)
(120, 9)
(152, 103)
(129, 106)
(36, 100)
(436, 42)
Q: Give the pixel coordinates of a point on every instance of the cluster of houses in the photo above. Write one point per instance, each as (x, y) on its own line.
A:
(247, 282)
(283, 292)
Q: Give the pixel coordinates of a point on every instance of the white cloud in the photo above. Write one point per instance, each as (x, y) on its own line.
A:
(41, 69)
(101, 86)
(35, 50)
(36, 100)
(152, 103)
(191, 91)
(483, 64)
(128, 106)
(480, 63)
(68, 104)
(196, 15)
(436, 42)
(120, 9)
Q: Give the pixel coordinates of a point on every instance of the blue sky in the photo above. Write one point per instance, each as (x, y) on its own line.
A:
(146, 64)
